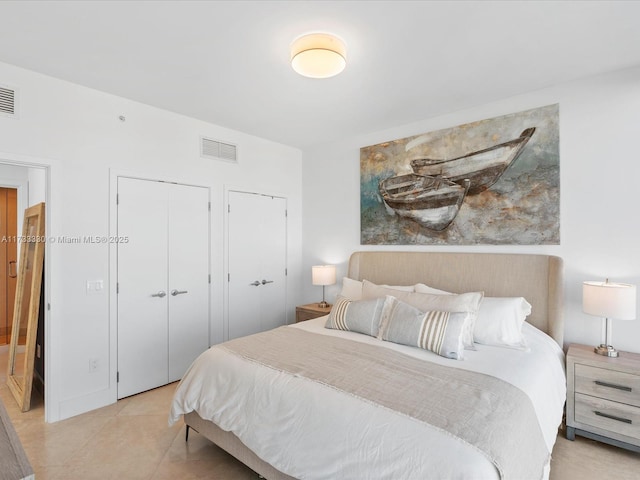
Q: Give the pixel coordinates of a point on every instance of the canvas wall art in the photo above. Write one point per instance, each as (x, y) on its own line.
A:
(491, 182)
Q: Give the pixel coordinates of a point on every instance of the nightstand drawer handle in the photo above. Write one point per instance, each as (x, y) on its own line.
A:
(613, 417)
(613, 385)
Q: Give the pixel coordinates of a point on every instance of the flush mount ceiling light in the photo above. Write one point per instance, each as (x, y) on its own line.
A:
(318, 55)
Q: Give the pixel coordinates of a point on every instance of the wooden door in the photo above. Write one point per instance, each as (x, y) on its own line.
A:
(8, 259)
(256, 239)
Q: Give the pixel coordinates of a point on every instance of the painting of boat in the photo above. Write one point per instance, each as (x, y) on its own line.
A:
(431, 201)
(482, 168)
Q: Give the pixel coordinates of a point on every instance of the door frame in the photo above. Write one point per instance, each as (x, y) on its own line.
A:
(51, 326)
(114, 174)
(225, 281)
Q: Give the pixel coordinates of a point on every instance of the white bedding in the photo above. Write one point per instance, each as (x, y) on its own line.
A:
(311, 431)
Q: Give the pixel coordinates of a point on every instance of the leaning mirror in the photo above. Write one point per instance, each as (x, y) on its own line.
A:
(27, 305)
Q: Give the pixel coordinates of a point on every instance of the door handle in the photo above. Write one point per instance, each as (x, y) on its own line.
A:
(160, 294)
(264, 282)
(255, 284)
(177, 292)
(13, 264)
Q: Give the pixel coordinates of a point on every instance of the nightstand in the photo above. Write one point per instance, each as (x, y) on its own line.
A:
(603, 397)
(312, 310)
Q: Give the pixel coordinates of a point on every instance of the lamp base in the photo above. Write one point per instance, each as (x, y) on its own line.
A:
(606, 350)
(323, 304)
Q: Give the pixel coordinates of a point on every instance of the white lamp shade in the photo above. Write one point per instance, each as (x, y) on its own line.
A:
(318, 55)
(609, 300)
(323, 275)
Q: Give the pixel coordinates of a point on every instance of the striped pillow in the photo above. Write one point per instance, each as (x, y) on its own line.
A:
(362, 316)
(436, 331)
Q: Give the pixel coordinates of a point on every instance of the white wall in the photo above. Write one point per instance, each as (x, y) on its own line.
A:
(76, 131)
(37, 185)
(600, 168)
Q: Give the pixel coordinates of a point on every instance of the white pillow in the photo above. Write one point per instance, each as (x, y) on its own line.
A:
(500, 320)
(422, 288)
(352, 289)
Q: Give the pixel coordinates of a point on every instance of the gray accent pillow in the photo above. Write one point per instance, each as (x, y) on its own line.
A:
(362, 316)
(464, 302)
(437, 331)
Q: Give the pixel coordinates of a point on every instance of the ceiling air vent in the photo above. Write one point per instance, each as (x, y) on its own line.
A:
(210, 148)
(7, 101)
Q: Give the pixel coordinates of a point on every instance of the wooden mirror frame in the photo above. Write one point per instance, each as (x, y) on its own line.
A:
(27, 303)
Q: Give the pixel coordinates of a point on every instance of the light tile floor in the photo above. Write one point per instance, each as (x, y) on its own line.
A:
(131, 440)
(128, 440)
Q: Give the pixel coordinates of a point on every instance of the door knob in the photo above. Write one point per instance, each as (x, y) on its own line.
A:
(255, 284)
(177, 292)
(264, 282)
(160, 294)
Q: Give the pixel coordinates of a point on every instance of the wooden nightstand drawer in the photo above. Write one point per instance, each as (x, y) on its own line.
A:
(310, 311)
(303, 315)
(611, 416)
(608, 384)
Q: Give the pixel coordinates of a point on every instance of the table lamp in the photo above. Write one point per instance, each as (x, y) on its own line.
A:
(610, 301)
(323, 275)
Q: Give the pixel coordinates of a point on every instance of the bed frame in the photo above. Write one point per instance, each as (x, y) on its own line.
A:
(538, 278)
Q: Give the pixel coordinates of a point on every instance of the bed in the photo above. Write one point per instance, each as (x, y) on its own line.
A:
(284, 425)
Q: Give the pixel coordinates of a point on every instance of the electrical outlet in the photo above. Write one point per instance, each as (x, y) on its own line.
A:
(93, 365)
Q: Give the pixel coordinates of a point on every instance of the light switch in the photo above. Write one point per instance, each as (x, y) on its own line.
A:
(95, 287)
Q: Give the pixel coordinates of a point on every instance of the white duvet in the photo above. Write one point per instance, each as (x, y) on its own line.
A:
(312, 431)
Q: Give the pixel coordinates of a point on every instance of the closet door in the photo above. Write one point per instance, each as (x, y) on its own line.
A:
(163, 282)
(188, 267)
(256, 239)
(142, 286)
(273, 293)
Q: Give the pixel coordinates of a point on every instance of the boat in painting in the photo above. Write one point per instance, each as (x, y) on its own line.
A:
(482, 168)
(433, 202)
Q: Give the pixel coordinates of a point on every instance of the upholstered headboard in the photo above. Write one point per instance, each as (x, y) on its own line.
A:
(538, 278)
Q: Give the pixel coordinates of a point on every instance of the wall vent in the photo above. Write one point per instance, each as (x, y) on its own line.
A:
(210, 148)
(8, 101)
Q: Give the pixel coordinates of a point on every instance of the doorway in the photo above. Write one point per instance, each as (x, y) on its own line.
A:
(21, 184)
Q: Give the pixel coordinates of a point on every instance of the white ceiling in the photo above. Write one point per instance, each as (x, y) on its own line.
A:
(228, 62)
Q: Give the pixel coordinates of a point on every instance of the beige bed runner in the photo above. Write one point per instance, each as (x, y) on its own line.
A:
(483, 411)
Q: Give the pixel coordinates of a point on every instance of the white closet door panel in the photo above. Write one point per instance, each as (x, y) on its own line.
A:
(244, 239)
(273, 245)
(188, 273)
(142, 272)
